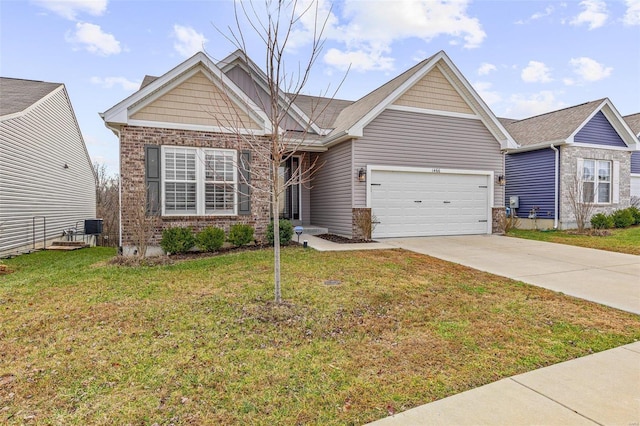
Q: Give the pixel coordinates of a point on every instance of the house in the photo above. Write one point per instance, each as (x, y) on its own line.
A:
(47, 182)
(420, 155)
(633, 121)
(583, 150)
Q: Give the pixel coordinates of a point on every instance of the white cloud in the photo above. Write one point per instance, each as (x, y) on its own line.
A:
(491, 97)
(522, 106)
(369, 30)
(547, 11)
(595, 14)
(69, 9)
(589, 70)
(632, 15)
(188, 41)
(536, 72)
(358, 60)
(486, 68)
(94, 40)
(110, 82)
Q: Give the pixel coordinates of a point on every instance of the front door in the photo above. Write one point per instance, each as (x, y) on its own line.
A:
(290, 201)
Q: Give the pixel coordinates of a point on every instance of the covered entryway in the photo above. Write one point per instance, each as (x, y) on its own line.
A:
(428, 202)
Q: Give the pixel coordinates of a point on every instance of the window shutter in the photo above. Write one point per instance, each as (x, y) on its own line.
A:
(244, 181)
(152, 178)
(615, 182)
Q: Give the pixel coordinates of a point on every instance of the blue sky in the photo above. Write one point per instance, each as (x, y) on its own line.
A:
(523, 57)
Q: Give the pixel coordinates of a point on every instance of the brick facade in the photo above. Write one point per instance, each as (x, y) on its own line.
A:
(568, 171)
(132, 144)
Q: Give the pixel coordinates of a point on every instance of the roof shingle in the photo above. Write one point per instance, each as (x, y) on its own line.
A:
(17, 94)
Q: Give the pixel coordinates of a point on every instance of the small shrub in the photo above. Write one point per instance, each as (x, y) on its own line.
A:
(601, 221)
(240, 235)
(623, 218)
(210, 239)
(177, 240)
(286, 232)
(635, 211)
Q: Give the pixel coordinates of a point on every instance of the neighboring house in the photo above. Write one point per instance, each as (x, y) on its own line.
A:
(422, 154)
(583, 150)
(46, 175)
(633, 121)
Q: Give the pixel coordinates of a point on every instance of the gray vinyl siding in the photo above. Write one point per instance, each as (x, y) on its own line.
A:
(305, 194)
(33, 181)
(531, 177)
(257, 94)
(410, 139)
(331, 190)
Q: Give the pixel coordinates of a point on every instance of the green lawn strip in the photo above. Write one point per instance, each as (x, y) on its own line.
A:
(201, 342)
(618, 240)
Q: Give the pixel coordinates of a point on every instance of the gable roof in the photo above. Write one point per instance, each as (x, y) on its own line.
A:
(323, 110)
(289, 101)
(148, 79)
(154, 88)
(633, 121)
(561, 126)
(16, 95)
(352, 120)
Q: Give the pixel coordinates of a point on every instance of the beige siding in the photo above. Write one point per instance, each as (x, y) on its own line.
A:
(197, 101)
(408, 139)
(435, 92)
(332, 190)
(33, 181)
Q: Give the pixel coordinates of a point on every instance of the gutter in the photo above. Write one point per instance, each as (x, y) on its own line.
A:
(525, 148)
(555, 186)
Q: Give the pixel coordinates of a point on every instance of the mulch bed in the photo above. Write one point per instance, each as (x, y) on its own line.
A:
(343, 240)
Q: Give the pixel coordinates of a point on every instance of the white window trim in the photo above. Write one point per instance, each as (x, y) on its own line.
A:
(614, 182)
(200, 181)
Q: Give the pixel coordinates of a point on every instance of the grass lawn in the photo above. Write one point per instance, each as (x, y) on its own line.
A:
(620, 240)
(199, 342)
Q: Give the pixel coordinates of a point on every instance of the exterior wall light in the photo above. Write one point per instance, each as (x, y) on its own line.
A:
(362, 175)
(501, 180)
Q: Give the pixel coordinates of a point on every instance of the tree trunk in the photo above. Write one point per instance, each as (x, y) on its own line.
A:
(276, 233)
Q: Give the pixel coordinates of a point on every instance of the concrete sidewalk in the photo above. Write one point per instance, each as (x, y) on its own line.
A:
(599, 389)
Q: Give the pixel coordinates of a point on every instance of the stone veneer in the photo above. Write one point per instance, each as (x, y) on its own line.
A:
(132, 168)
(498, 217)
(568, 171)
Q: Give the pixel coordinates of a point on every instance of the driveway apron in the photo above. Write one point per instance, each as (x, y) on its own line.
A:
(608, 278)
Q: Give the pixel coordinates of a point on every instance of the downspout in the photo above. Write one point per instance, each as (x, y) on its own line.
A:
(117, 132)
(555, 186)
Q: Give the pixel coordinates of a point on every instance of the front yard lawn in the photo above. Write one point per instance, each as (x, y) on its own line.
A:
(200, 342)
(619, 240)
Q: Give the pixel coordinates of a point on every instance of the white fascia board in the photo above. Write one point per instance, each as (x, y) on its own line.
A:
(197, 127)
(121, 111)
(434, 112)
(536, 146)
(506, 140)
(116, 110)
(603, 147)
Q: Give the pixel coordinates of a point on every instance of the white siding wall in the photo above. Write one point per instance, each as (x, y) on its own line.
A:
(33, 181)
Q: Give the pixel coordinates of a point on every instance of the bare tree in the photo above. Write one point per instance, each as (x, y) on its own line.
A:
(580, 201)
(275, 27)
(107, 204)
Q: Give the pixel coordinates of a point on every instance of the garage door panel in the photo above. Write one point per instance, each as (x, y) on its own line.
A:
(422, 204)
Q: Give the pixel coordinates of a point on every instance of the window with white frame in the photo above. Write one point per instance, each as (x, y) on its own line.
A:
(199, 181)
(596, 181)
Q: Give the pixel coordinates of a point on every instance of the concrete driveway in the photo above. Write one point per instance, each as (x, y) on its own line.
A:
(612, 279)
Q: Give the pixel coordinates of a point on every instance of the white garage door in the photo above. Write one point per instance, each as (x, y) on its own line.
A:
(412, 204)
